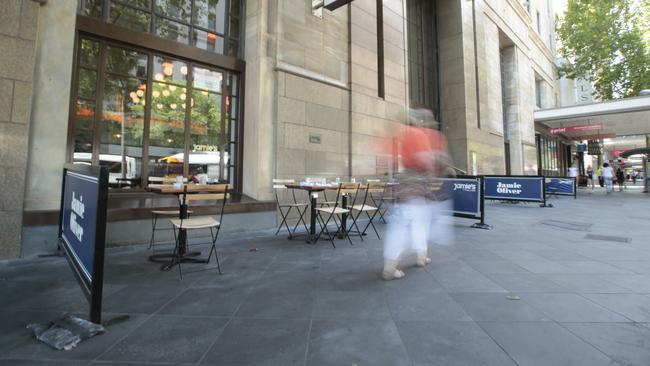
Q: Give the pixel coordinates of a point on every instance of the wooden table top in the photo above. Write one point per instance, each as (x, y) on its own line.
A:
(191, 188)
(311, 188)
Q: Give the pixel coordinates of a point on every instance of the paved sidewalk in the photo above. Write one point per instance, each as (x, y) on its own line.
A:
(568, 285)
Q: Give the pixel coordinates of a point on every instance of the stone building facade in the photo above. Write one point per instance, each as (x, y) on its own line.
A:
(319, 91)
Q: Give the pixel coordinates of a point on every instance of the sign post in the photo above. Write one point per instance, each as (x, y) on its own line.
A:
(82, 229)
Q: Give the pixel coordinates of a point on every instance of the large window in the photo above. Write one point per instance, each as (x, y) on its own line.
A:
(422, 55)
(144, 114)
(212, 25)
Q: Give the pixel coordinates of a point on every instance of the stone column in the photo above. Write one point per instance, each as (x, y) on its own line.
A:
(18, 27)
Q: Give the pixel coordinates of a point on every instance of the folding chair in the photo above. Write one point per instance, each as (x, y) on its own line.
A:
(367, 208)
(335, 210)
(279, 185)
(201, 222)
(155, 214)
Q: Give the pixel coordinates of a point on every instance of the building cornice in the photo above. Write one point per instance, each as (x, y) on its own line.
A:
(537, 40)
(521, 11)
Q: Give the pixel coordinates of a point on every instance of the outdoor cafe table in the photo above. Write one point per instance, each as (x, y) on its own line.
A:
(313, 203)
(184, 255)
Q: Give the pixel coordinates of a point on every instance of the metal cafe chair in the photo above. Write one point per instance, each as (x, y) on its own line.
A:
(155, 214)
(219, 197)
(367, 208)
(332, 212)
(279, 186)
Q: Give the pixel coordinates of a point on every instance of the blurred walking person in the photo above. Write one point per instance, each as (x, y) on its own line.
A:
(423, 154)
(634, 175)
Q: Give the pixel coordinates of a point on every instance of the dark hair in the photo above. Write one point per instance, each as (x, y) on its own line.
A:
(605, 165)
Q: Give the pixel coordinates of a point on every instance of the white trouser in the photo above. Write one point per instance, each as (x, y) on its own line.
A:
(608, 184)
(408, 228)
(442, 222)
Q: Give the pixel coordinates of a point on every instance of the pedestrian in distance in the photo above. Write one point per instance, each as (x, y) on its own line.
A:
(591, 178)
(601, 180)
(634, 175)
(620, 179)
(608, 177)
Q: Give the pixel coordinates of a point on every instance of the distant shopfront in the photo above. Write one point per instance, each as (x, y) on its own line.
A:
(554, 154)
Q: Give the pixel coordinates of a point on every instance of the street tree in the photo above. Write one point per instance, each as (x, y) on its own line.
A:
(606, 42)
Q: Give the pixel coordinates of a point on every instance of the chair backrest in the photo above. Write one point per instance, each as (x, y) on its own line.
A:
(218, 192)
(164, 180)
(350, 189)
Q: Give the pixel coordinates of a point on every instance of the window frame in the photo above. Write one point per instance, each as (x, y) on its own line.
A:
(95, 30)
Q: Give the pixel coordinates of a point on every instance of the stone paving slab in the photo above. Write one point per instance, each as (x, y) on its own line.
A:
(523, 293)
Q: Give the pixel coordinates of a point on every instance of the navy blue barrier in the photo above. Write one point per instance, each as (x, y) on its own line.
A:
(522, 188)
(82, 228)
(467, 193)
(562, 186)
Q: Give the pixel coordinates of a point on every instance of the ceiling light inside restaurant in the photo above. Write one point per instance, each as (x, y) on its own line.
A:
(168, 68)
(172, 87)
(184, 70)
(159, 106)
(173, 106)
(133, 95)
(183, 96)
(165, 93)
(159, 77)
(140, 93)
(156, 93)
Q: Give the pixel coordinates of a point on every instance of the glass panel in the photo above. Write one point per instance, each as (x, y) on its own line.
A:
(88, 54)
(210, 14)
(177, 9)
(207, 79)
(130, 18)
(234, 85)
(205, 125)
(169, 70)
(87, 83)
(232, 49)
(172, 30)
(91, 8)
(235, 6)
(234, 28)
(167, 130)
(126, 62)
(84, 124)
(208, 41)
(122, 129)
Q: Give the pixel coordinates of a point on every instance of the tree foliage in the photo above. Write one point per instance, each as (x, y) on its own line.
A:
(606, 42)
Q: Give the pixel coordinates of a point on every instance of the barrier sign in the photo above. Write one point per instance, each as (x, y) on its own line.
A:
(515, 188)
(561, 186)
(467, 193)
(82, 228)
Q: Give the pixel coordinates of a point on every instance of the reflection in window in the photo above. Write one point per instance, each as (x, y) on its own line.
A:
(167, 125)
(153, 116)
(123, 115)
(212, 25)
(207, 151)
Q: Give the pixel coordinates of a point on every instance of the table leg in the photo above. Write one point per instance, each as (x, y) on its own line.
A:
(311, 238)
(344, 217)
